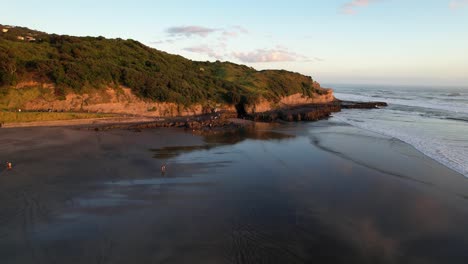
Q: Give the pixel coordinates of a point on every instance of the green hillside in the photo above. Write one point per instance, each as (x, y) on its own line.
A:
(79, 64)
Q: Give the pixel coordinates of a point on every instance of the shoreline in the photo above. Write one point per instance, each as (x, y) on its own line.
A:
(79, 122)
(306, 112)
(304, 180)
(416, 145)
(223, 122)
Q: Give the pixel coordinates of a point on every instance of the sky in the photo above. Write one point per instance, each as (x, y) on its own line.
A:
(400, 42)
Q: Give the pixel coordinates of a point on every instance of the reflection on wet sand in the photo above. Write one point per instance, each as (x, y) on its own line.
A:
(257, 196)
(316, 142)
(218, 140)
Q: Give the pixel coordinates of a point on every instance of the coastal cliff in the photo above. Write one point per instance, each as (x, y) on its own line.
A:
(58, 73)
(289, 102)
(40, 71)
(122, 100)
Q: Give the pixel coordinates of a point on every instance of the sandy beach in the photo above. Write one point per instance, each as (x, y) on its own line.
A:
(321, 192)
(82, 122)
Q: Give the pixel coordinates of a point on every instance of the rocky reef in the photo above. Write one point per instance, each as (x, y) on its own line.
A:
(227, 120)
(312, 112)
(362, 105)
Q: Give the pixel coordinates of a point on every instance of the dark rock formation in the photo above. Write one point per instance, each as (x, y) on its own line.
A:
(362, 105)
(224, 120)
(212, 121)
(312, 112)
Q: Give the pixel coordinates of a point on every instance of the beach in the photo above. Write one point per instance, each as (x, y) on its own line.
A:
(322, 192)
(433, 119)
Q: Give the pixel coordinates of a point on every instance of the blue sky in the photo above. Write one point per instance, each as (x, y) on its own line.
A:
(335, 41)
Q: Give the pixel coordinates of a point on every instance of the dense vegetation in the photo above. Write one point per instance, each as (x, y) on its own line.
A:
(82, 63)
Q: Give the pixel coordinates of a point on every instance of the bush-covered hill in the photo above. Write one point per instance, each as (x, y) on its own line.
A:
(81, 63)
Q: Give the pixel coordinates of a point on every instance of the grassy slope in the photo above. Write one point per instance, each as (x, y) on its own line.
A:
(84, 63)
(16, 117)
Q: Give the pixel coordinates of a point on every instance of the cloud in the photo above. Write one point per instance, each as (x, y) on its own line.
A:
(166, 41)
(457, 4)
(218, 48)
(232, 32)
(268, 55)
(189, 31)
(204, 49)
(350, 8)
(241, 29)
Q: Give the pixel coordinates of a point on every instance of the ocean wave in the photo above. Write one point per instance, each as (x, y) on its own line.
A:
(456, 107)
(447, 152)
(457, 119)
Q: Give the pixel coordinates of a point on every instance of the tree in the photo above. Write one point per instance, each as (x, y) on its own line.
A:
(7, 68)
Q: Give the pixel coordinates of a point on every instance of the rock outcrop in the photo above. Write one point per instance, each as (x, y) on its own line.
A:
(119, 101)
(362, 105)
(289, 101)
(309, 112)
(122, 100)
(312, 112)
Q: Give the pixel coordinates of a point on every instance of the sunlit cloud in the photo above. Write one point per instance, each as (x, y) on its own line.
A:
(268, 55)
(166, 41)
(240, 29)
(232, 32)
(223, 34)
(457, 4)
(189, 31)
(200, 31)
(351, 8)
(219, 47)
(206, 50)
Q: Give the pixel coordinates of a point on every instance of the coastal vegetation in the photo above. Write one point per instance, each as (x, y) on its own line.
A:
(81, 64)
(21, 117)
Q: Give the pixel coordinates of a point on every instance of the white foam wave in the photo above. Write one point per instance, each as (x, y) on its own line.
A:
(449, 152)
(431, 104)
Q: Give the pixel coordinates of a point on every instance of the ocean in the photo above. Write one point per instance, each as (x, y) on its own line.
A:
(434, 120)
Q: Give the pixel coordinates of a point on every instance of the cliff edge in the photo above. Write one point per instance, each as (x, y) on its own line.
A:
(40, 71)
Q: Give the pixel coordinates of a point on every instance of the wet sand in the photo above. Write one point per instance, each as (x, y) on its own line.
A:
(83, 122)
(319, 192)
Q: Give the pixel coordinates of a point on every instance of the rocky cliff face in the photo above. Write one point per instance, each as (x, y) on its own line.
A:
(118, 101)
(123, 101)
(289, 101)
